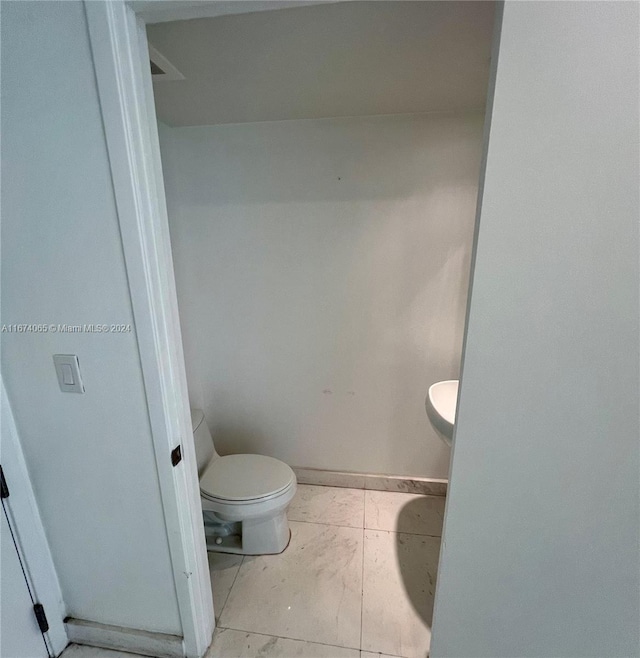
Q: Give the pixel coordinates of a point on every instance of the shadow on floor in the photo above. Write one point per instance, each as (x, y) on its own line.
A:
(417, 557)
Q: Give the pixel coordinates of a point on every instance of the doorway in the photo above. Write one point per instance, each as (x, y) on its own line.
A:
(447, 264)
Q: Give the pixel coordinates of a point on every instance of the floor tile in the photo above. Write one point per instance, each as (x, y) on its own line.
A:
(228, 643)
(331, 505)
(312, 591)
(399, 586)
(371, 654)
(80, 651)
(401, 512)
(223, 568)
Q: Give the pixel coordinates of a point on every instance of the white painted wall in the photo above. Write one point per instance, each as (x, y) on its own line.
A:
(90, 456)
(541, 544)
(322, 271)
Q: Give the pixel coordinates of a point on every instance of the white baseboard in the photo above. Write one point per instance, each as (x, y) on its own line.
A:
(120, 638)
(428, 486)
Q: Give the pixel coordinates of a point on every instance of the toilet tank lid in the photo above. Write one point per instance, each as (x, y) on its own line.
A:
(197, 416)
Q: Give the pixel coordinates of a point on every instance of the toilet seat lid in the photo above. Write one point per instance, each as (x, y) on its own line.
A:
(245, 477)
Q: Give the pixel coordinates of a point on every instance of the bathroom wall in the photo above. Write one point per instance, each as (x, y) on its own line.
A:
(89, 456)
(541, 543)
(322, 270)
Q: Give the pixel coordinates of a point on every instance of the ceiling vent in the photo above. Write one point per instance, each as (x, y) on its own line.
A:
(161, 68)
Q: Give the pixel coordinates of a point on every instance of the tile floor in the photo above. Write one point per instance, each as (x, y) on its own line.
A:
(356, 581)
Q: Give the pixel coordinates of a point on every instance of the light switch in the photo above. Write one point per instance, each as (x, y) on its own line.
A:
(67, 374)
(68, 371)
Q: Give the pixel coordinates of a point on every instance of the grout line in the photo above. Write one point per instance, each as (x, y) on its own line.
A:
(284, 637)
(404, 532)
(364, 515)
(229, 592)
(364, 508)
(335, 525)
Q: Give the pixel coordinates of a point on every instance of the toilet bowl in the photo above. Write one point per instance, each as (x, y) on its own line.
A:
(244, 497)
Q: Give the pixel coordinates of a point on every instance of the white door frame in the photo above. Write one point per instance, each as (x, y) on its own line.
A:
(119, 48)
(27, 525)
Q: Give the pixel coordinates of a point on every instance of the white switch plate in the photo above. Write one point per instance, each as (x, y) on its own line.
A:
(68, 371)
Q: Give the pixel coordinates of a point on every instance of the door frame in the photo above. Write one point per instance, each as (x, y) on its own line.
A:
(119, 48)
(26, 524)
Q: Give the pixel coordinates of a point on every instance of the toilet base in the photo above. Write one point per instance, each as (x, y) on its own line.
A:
(261, 536)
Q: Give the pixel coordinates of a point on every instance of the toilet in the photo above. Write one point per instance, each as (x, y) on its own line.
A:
(244, 497)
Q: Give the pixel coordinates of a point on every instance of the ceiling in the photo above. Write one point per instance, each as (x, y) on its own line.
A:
(325, 60)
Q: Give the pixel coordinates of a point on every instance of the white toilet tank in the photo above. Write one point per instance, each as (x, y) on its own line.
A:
(205, 449)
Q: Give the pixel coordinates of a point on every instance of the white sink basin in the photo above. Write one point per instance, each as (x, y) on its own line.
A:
(441, 408)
